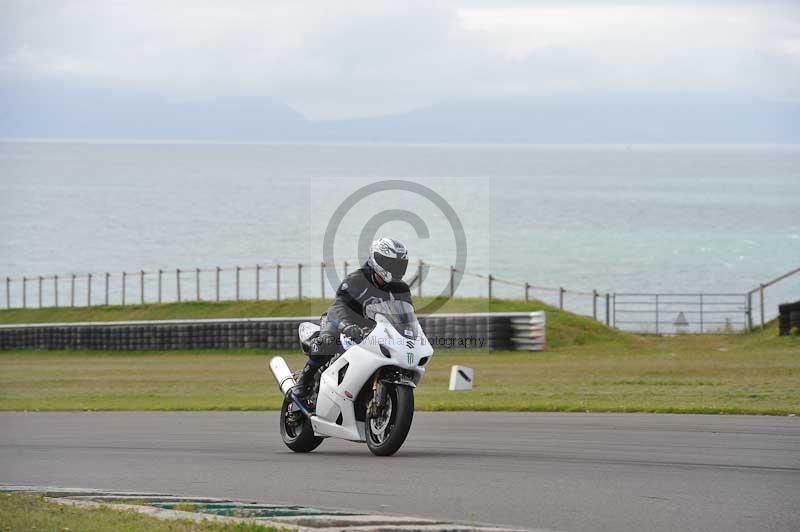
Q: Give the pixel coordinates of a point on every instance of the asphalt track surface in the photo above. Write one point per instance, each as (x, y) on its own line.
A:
(571, 472)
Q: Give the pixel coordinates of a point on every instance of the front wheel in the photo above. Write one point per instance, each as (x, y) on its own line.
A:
(296, 429)
(387, 430)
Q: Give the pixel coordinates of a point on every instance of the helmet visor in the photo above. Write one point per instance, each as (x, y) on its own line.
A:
(397, 267)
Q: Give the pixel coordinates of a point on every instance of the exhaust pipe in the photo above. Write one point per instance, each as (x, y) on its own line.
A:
(282, 373)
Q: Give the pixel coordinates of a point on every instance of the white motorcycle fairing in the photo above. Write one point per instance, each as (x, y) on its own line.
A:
(350, 373)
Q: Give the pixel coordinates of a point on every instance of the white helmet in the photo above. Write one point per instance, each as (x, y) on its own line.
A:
(389, 259)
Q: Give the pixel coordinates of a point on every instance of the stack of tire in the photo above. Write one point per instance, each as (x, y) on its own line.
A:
(459, 332)
(444, 331)
(789, 318)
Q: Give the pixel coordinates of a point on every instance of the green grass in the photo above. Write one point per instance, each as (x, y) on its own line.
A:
(563, 328)
(167, 311)
(33, 512)
(227, 309)
(596, 371)
(586, 367)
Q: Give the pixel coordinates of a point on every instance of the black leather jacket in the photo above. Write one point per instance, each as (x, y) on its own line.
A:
(358, 290)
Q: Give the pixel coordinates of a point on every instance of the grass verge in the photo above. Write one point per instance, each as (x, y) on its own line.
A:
(22, 511)
(563, 328)
(735, 374)
(228, 309)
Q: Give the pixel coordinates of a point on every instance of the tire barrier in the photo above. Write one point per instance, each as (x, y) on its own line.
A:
(514, 330)
(788, 317)
(528, 331)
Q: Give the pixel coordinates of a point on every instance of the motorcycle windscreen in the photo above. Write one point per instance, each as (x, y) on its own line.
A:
(399, 313)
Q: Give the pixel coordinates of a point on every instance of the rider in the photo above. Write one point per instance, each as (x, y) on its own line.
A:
(379, 279)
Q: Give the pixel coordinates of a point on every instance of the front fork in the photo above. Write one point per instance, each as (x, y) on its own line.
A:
(378, 401)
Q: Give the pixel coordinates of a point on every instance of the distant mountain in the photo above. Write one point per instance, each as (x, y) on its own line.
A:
(577, 119)
(610, 118)
(111, 114)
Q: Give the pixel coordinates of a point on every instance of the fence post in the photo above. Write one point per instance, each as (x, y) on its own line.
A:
(124, 275)
(561, 297)
(278, 282)
(8, 292)
(197, 283)
(656, 313)
(345, 268)
(761, 295)
(322, 279)
(216, 284)
(749, 310)
(299, 281)
(24, 292)
(608, 308)
(89, 290)
(55, 290)
(106, 295)
(419, 279)
(491, 278)
(701, 313)
(238, 269)
(452, 281)
(141, 287)
(72, 291)
(614, 304)
(527, 291)
(40, 291)
(160, 274)
(594, 304)
(178, 283)
(258, 282)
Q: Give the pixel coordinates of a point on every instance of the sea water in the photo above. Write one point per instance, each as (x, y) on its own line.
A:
(613, 218)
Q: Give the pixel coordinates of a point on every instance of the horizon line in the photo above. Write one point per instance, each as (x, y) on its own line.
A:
(595, 145)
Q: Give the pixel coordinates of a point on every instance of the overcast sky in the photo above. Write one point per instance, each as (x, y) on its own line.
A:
(342, 59)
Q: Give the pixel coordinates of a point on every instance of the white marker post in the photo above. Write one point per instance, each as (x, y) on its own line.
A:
(461, 378)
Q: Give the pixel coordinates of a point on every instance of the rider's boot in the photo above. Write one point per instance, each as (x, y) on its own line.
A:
(305, 381)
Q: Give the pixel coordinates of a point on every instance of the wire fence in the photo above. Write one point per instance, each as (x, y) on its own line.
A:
(659, 313)
(270, 282)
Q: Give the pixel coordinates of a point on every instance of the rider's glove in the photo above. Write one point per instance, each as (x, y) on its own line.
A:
(353, 332)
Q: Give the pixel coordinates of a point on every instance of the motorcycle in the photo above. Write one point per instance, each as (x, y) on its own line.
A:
(366, 392)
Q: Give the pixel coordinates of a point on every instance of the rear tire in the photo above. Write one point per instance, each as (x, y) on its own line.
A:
(298, 436)
(395, 426)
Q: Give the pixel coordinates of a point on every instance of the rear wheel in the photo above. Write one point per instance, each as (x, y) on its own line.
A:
(296, 429)
(387, 429)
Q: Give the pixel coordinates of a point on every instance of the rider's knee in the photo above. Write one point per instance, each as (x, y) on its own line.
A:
(322, 348)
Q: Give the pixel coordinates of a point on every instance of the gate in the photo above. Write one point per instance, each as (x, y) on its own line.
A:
(681, 313)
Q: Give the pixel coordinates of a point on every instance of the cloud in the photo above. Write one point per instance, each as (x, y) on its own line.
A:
(344, 59)
(644, 47)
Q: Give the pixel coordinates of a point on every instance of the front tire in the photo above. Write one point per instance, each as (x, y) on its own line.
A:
(387, 432)
(296, 430)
